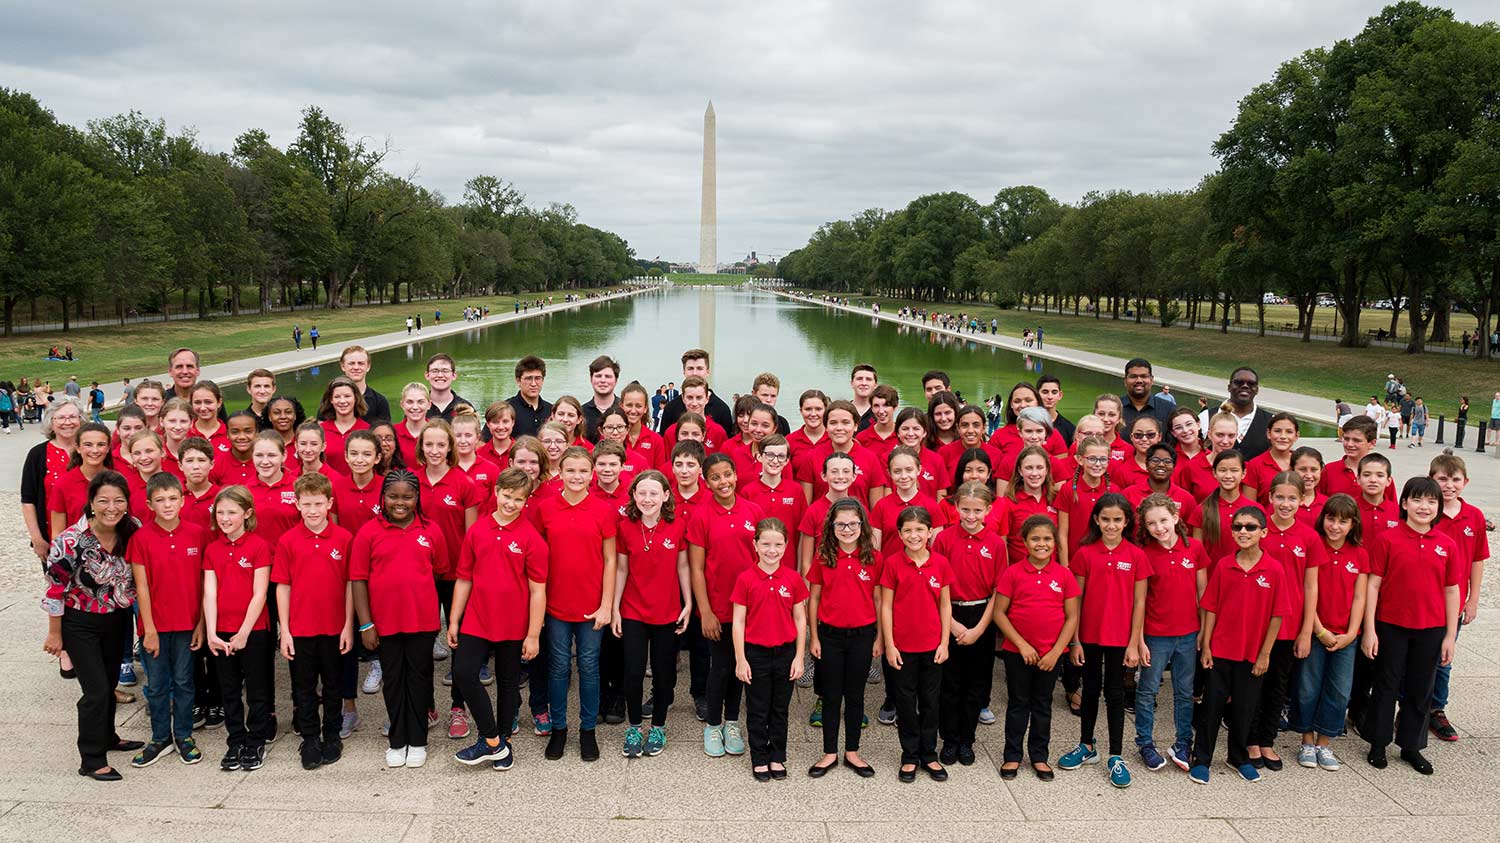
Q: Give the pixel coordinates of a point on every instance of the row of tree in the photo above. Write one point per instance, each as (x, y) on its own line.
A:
(125, 216)
(1365, 170)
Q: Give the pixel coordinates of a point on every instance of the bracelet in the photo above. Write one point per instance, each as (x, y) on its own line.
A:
(367, 627)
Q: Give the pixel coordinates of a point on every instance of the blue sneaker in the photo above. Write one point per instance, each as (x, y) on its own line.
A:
(1119, 774)
(656, 741)
(127, 675)
(713, 741)
(1152, 758)
(635, 742)
(480, 752)
(1246, 772)
(505, 761)
(485, 676)
(1199, 774)
(1181, 754)
(734, 741)
(1079, 756)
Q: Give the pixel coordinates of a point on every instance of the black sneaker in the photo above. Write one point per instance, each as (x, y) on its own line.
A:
(700, 708)
(649, 706)
(588, 747)
(949, 756)
(312, 754)
(252, 757)
(966, 755)
(556, 744)
(214, 717)
(1441, 728)
(614, 714)
(231, 760)
(152, 753)
(332, 751)
(200, 716)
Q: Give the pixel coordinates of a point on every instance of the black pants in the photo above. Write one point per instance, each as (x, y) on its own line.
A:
(1103, 667)
(245, 688)
(1360, 686)
(698, 650)
(473, 653)
(274, 627)
(916, 692)
(636, 637)
(317, 662)
(612, 672)
(723, 687)
(1028, 690)
(206, 691)
(842, 672)
(1405, 667)
(406, 664)
(1072, 676)
(445, 598)
(967, 678)
(1232, 688)
(1267, 720)
(93, 641)
(767, 698)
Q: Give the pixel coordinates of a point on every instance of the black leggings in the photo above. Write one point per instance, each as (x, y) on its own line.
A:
(473, 653)
(245, 688)
(661, 638)
(1103, 666)
(445, 598)
(723, 686)
(842, 672)
(1028, 691)
(1267, 720)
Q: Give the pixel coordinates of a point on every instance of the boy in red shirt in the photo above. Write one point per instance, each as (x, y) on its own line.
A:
(166, 556)
(1359, 436)
(195, 457)
(315, 604)
(1377, 513)
(1464, 523)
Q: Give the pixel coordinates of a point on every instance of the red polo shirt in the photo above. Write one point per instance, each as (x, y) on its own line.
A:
(1109, 578)
(847, 600)
(1259, 472)
(316, 566)
(615, 500)
(785, 502)
(1376, 519)
(173, 560)
(71, 492)
(975, 559)
(1223, 544)
(1338, 477)
(501, 562)
(653, 593)
(1414, 569)
(354, 505)
(1187, 508)
(1195, 474)
(1308, 513)
(275, 507)
(813, 518)
(649, 444)
(1298, 549)
(769, 600)
(575, 535)
(1010, 514)
(916, 594)
(714, 436)
(1244, 603)
(484, 473)
(1336, 584)
(234, 564)
(798, 443)
(1077, 499)
(445, 504)
(728, 539)
(934, 476)
(1037, 599)
(1172, 591)
(1127, 472)
(199, 509)
(745, 464)
(880, 445)
(333, 442)
(488, 452)
(406, 443)
(400, 564)
(1467, 530)
(886, 510)
(953, 451)
(869, 474)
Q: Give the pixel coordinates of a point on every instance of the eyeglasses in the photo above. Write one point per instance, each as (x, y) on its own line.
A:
(612, 428)
(1160, 461)
(846, 525)
(440, 371)
(1096, 460)
(770, 457)
(1244, 528)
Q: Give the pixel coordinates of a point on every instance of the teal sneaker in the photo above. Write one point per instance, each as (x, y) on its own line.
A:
(187, 750)
(635, 742)
(1119, 774)
(656, 741)
(734, 741)
(816, 718)
(1077, 757)
(713, 741)
(864, 721)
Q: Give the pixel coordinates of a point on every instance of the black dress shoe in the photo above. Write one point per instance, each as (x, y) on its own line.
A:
(966, 755)
(1417, 761)
(122, 745)
(1046, 775)
(906, 776)
(1008, 773)
(761, 775)
(1377, 757)
(937, 774)
(778, 774)
(556, 744)
(865, 771)
(818, 772)
(949, 755)
(1272, 764)
(109, 774)
(1258, 763)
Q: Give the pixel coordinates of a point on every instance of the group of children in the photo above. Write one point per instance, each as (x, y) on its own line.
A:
(1275, 590)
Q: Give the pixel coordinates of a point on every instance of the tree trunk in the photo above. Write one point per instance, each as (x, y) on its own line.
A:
(1487, 304)
(1441, 318)
(10, 315)
(1348, 302)
(66, 316)
(1306, 317)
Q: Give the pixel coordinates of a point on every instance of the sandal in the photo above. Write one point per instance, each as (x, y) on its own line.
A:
(1075, 703)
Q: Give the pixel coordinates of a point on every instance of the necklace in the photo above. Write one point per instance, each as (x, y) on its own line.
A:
(648, 536)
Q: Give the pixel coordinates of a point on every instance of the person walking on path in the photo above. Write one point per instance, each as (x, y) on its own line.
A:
(96, 402)
(313, 335)
(71, 388)
(408, 326)
(1418, 423)
(297, 336)
(1495, 420)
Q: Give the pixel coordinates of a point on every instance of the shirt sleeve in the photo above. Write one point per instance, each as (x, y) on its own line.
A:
(740, 596)
(1070, 587)
(1143, 567)
(466, 558)
(697, 532)
(815, 572)
(536, 560)
(359, 557)
(58, 570)
(799, 589)
(1210, 601)
(281, 562)
(439, 550)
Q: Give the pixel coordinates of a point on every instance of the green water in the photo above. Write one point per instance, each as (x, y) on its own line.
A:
(806, 346)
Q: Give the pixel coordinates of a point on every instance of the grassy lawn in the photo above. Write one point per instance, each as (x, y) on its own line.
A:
(1317, 368)
(719, 280)
(108, 354)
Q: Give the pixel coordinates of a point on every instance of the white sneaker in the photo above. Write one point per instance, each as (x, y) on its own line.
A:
(396, 757)
(439, 649)
(373, 679)
(416, 756)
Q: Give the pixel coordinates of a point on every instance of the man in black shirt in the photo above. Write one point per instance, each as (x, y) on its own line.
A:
(604, 373)
(531, 410)
(441, 373)
(1244, 386)
(1049, 389)
(695, 362)
(355, 363)
(1138, 400)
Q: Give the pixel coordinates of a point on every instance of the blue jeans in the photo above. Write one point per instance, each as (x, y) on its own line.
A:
(169, 687)
(1444, 676)
(560, 638)
(1181, 653)
(1323, 691)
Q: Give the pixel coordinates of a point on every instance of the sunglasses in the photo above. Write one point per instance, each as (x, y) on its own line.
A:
(1244, 383)
(1244, 528)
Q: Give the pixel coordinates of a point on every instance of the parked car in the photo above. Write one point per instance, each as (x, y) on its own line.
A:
(1327, 301)
(1272, 298)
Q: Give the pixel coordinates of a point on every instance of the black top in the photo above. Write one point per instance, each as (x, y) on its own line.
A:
(591, 416)
(377, 408)
(446, 413)
(1064, 427)
(1156, 406)
(716, 410)
(34, 486)
(528, 421)
(262, 420)
(1256, 441)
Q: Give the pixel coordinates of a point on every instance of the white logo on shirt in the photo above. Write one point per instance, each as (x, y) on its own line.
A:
(787, 501)
(985, 553)
(192, 551)
(1439, 550)
(1390, 523)
(1261, 581)
(289, 498)
(1117, 455)
(1055, 587)
(1299, 552)
(1187, 563)
(782, 592)
(1351, 567)
(864, 576)
(928, 477)
(1469, 531)
(243, 562)
(449, 501)
(422, 540)
(375, 509)
(514, 548)
(1122, 566)
(223, 448)
(335, 555)
(749, 526)
(932, 581)
(667, 543)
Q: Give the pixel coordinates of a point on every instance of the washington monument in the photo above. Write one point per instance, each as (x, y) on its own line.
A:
(708, 231)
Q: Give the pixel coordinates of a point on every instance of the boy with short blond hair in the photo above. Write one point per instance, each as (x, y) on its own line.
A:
(1464, 523)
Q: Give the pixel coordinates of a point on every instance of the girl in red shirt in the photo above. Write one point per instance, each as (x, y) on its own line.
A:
(1076, 495)
(1169, 633)
(128, 422)
(176, 427)
(838, 476)
(450, 500)
(1411, 619)
(904, 467)
(1193, 471)
(416, 400)
(970, 423)
(843, 579)
(499, 602)
(1036, 609)
(145, 460)
(500, 424)
(1112, 573)
(285, 415)
(1028, 429)
(942, 414)
(976, 556)
(1326, 675)
(812, 405)
(640, 438)
(1161, 464)
(1028, 493)
(653, 604)
(236, 580)
(568, 412)
(275, 501)
(341, 412)
(1144, 432)
(309, 456)
(1244, 606)
(1260, 471)
(915, 613)
(1308, 463)
(234, 466)
(356, 495)
(1230, 497)
(842, 421)
(206, 401)
(775, 490)
(770, 632)
(70, 494)
(912, 431)
(392, 564)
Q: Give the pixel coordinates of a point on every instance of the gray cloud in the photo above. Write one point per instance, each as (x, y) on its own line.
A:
(824, 108)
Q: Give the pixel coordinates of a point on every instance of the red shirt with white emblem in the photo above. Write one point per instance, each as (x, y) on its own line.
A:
(881, 446)
(1375, 519)
(316, 566)
(1414, 569)
(1037, 598)
(1223, 543)
(653, 593)
(199, 509)
(813, 518)
(1172, 591)
(798, 443)
(1195, 474)
(1244, 603)
(1187, 508)
(1338, 478)
(70, 492)
(1307, 513)
(714, 437)
(575, 534)
(1467, 529)
(400, 564)
(1077, 499)
(501, 561)
(173, 560)
(1298, 548)
(445, 503)
(1336, 584)
(886, 510)
(234, 564)
(275, 507)
(727, 536)
(333, 443)
(785, 502)
(649, 444)
(1109, 576)
(975, 559)
(869, 474)
(916, 597)
(356, 505)
(847, 600)
(769, 600)
(1010, 514)
(1259, 472)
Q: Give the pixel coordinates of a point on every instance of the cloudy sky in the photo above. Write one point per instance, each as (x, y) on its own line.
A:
(824, 107)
